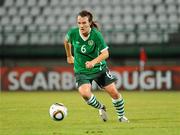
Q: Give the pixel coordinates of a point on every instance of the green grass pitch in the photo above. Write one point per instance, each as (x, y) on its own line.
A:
(150, 113)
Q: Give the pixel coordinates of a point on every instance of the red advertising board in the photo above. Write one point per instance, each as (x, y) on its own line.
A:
(62, 78)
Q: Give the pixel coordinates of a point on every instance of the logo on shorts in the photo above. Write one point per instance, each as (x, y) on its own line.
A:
(90, 42)
(108, 73)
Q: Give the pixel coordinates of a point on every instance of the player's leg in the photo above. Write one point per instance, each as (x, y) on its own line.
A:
(106, 81)
(117, 101)
(88, 96)
(85, 91)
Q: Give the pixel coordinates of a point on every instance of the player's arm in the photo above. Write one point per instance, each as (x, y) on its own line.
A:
(104, 55)
(67, 46)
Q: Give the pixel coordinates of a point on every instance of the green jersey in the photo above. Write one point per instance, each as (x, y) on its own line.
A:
(86, 50)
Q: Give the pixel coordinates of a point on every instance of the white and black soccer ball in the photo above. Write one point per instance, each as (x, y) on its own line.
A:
(58, 111)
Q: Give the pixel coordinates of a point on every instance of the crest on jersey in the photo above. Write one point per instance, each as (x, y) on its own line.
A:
(90, 42)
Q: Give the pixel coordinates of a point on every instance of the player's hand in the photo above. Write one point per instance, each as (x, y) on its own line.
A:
(70, 59)
(89, 64)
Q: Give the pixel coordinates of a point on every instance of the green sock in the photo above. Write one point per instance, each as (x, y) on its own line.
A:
(119, 105)
(94, 102)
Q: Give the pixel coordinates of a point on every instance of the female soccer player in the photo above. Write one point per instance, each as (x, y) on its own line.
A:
(90, 52)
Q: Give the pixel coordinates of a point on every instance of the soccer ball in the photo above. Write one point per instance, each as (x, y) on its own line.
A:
(58, 111)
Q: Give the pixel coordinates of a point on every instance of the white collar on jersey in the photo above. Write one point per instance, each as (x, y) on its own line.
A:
(83, 37)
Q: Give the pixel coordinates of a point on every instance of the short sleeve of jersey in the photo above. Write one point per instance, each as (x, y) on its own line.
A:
(101, 42)
(69, 35)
